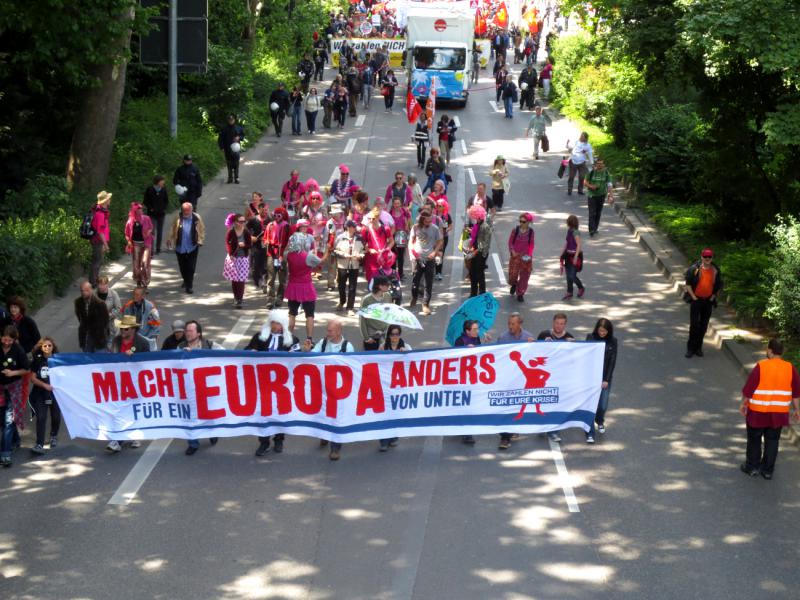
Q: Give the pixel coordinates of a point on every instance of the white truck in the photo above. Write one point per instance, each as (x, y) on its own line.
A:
(439, 44)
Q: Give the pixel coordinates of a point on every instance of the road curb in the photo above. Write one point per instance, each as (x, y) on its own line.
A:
(743, 347)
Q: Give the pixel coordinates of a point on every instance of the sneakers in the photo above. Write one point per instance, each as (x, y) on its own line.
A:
(383, 448)
(263, 448)
(334, 455)
(53, 442)
(766, 475)
(38, 449)
(113, 446)
(698, 353)
(5, 461)
(513, 289)
(581, 292)
(278, 446)
(413, 302)
(689, 354)
(393, 443)
(590, 439)
(504, 444)
(323, 443)
(520, 298)
(438, 277)
(601, 428)
(190, 450)
(554, 437)
(467, 439)
(426, 310)
(566, 297)
(135, 444)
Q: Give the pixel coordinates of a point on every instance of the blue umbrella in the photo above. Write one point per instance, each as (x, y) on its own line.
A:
(483, 309)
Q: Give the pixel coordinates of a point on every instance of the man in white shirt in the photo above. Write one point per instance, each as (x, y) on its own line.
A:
(580, 161)
(332, 342)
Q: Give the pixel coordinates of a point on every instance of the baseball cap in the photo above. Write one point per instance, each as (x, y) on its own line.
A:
(187, 157)
(351, 223)
(707, 252)
(178, 325)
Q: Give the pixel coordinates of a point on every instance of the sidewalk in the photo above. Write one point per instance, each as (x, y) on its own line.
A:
(743, 347)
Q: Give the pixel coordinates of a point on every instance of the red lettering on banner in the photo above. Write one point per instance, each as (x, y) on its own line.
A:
(181, 375)
(238, 408)
(370, 393)
(272, 380)
(398, 375)
(204, 392)
(127, 390)
(146, 387)
(164, 383)
(336, 390)
(468, 373)
(448, 377)
(311, 404)
(105, 387)
(416, 372)
(487, 364)
(433, 372)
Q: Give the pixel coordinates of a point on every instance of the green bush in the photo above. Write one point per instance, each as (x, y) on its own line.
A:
(664, 139)
(40, 254)
(783, 271)
(570, 53)
(41, 193)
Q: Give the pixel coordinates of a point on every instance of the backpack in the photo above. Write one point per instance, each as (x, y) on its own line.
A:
(86, 230)
(516, 232)
(343, 349)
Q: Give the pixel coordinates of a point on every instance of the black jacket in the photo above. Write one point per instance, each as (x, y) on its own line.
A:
(228, 135)
(530, 79)
(306, 67)
(256, 343)
(156, 201)
(171, 343)
(435, 166)
(140, 344)
(189, 177)
(281, 97)
(29, 334)
(92, 324)
(610, 356)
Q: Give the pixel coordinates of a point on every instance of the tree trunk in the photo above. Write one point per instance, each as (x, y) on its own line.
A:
(96, 126)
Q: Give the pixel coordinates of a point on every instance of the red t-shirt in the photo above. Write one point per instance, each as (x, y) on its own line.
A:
(125, 346)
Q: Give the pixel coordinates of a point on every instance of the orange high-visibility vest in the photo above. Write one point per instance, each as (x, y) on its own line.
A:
(774, 391)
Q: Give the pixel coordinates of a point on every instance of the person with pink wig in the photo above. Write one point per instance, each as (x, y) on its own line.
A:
(520, 248)
(139, 235)
(478, 248)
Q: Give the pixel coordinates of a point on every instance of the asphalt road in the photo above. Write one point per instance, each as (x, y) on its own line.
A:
(662, 509)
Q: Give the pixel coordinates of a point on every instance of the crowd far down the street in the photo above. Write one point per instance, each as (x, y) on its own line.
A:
(383, 249)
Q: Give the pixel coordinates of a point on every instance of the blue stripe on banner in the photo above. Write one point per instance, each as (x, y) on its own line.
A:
(555, 418)
(66, 359)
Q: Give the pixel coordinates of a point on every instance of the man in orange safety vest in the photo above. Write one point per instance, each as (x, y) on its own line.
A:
(771, 389)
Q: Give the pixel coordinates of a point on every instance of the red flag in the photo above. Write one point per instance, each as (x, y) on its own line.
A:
(413, 108)
(480, 23)
(430, 105)
(501, 16)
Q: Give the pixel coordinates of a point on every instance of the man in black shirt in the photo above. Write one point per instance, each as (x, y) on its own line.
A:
(156, 202)
(278, 107)
(231, 134)
(558, 333)
(92, 315)
(188, 176)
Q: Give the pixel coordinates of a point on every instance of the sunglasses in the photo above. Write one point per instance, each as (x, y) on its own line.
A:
(241, 222)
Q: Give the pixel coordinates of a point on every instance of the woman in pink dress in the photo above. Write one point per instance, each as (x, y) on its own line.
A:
(402, 225)
(377, 237)
(300, 289)
(139, 234)
(315, 214)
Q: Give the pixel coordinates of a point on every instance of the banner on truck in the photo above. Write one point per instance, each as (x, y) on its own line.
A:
(396, 48)
(525, 388)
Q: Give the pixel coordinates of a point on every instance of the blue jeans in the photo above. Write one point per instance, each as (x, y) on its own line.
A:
(602, 407)
(296, 118)
(572, 276)
(509, 104)
(432, 178)
(8, 429)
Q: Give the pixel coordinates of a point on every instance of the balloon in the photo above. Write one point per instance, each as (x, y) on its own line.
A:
(236, 147)
(523, 86)
(180, 190)
(274, 107)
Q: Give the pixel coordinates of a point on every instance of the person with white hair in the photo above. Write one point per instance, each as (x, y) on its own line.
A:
(273, 337)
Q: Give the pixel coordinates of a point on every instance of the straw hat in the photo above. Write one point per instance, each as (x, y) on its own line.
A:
(126, 322)
(103, 197)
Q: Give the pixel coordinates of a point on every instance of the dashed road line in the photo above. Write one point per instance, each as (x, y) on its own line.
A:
(498, 265)
(360, 120)
(457, 121)
(472, 179)
(351, 143)
(464, 148)
(563, 476)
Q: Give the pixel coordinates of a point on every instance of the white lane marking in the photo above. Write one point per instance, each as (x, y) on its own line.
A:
(493, 105)
(237, 333)
(351, 143)
(463, 147)
(360, 120)
(128, 489)
(457, 121)
(413, 541)
(563, 476)
(497, 265)
(472, 179)
(130, 486)
(334, 176)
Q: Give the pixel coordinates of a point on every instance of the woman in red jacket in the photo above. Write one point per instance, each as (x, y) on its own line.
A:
(237, 259)
(139, 235)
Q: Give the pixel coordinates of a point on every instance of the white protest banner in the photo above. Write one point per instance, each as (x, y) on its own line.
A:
(395, 47)
(525, 388)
